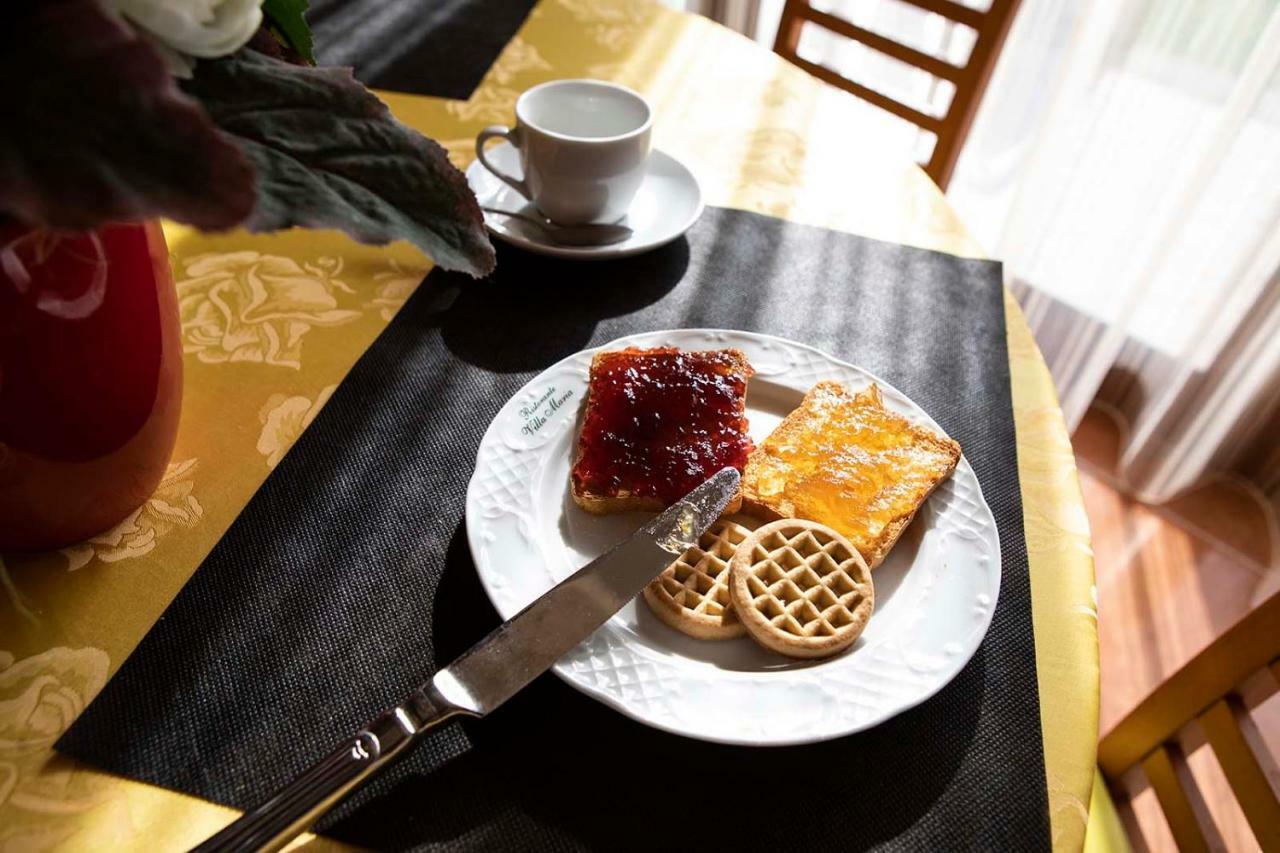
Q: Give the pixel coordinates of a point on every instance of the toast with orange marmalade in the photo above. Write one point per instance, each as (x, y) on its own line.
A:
(844, 460)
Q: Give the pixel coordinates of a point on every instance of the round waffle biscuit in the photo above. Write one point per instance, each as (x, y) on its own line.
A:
(692, 594)
(801, 589)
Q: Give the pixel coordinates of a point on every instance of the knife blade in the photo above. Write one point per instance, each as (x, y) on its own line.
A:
(492, 671)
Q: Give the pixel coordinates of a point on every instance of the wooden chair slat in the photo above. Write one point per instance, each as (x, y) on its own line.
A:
(1246, 647)
(932, 64)
(970, 81)
(1247, 765)
(789, 27)
(1184, 809)
(954, 11)
(970, 87)
(879, 99)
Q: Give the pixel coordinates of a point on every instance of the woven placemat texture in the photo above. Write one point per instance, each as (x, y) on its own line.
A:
(347, 580)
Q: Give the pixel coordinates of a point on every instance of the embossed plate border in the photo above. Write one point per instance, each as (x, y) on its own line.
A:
(943, 596)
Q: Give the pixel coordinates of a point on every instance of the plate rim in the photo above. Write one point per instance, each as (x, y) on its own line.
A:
(947, 674)
(599, 253)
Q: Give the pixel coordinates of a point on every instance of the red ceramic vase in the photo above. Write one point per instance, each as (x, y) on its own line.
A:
(90, 379)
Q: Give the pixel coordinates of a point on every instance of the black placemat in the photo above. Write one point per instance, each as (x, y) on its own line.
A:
(425, 47)
(347, 580)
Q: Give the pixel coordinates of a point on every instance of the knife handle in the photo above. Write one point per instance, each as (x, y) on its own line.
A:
(299, 804)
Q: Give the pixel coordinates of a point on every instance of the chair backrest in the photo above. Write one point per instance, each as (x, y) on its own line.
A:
(1207, 691)
(970, 80)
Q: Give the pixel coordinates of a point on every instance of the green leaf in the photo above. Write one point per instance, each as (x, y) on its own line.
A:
(330, 155)
(288, 18)
(93, 128)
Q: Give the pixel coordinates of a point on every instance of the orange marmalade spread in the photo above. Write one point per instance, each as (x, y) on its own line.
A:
(846, 461)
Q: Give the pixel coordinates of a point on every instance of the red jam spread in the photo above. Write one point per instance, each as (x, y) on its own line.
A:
(661, 421)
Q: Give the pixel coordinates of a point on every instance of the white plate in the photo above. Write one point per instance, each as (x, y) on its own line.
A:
(935, 593)
(668, 202)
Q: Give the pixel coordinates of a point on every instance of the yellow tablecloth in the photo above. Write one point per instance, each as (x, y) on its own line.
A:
(761, 136)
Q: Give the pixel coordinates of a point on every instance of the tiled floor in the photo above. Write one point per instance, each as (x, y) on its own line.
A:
(1171, 579)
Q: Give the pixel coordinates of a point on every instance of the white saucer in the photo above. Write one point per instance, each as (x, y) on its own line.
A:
(667, 204)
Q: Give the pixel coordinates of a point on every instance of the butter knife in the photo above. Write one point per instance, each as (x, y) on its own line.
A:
(490, 673)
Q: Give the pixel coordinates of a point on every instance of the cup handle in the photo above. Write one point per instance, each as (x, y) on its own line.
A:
(513, 136)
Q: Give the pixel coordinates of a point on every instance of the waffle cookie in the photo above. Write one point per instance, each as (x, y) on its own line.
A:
(801, 589)
(692, 594)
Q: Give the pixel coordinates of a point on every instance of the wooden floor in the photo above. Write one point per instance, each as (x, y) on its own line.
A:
(1170, 579)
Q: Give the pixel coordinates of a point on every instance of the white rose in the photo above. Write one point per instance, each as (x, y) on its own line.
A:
(192, 28)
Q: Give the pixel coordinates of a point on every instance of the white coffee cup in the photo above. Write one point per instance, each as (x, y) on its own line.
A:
(583, 146)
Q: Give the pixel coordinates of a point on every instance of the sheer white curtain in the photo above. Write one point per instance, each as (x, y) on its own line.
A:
(1125, 165)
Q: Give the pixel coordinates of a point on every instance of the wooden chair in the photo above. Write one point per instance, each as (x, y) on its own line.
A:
(970, 80)
(1215, 690)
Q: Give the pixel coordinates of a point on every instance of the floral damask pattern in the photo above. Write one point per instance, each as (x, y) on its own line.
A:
(617, 72)
(171, 506)
(1064, 599)
(394, 287)
(489, 105)
(249, 306)
(40, 696)
(461, 151)
(768, 162)
(284, 418)
(517, 58)
(612, 25)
